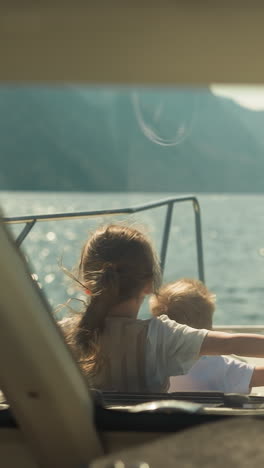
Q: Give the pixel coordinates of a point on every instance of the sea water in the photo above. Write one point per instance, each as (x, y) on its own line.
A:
(233, 244)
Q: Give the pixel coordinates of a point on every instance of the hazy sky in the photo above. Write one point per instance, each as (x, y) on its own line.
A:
(251, 97)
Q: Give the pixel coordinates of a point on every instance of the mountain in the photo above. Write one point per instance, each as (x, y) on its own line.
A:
(80, 139)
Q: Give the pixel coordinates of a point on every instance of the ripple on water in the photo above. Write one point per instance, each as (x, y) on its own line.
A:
(44, 252)
(70, 235)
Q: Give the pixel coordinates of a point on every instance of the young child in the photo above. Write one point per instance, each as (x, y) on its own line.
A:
(190, 302)
(118, 268)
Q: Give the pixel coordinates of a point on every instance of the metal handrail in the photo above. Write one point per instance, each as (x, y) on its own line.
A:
(30, 222)
(240, 328)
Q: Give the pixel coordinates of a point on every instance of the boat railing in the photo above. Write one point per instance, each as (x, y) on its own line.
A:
(31, 220)
(240, 328)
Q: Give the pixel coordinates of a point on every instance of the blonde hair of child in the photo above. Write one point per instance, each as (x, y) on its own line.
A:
(187, 301)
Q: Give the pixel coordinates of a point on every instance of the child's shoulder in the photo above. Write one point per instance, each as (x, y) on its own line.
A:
(163, 329)
(164, 321)
(163, 325)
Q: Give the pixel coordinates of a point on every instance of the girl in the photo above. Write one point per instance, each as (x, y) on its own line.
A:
(118, 268)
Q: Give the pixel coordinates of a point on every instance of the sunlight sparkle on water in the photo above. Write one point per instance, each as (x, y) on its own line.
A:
(49, 278)
(51, 236)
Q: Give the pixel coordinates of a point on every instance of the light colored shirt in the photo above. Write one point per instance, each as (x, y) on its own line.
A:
(172, 349)
(215, 373)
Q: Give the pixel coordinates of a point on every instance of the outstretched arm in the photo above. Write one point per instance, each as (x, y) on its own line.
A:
(242, 344)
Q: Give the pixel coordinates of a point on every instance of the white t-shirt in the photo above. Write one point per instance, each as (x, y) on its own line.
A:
(171, 349)
(215, 373)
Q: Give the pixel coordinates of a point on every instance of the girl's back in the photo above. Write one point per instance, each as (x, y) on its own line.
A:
(123, 345)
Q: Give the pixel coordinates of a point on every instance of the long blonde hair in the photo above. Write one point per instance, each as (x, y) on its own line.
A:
(116, 263)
